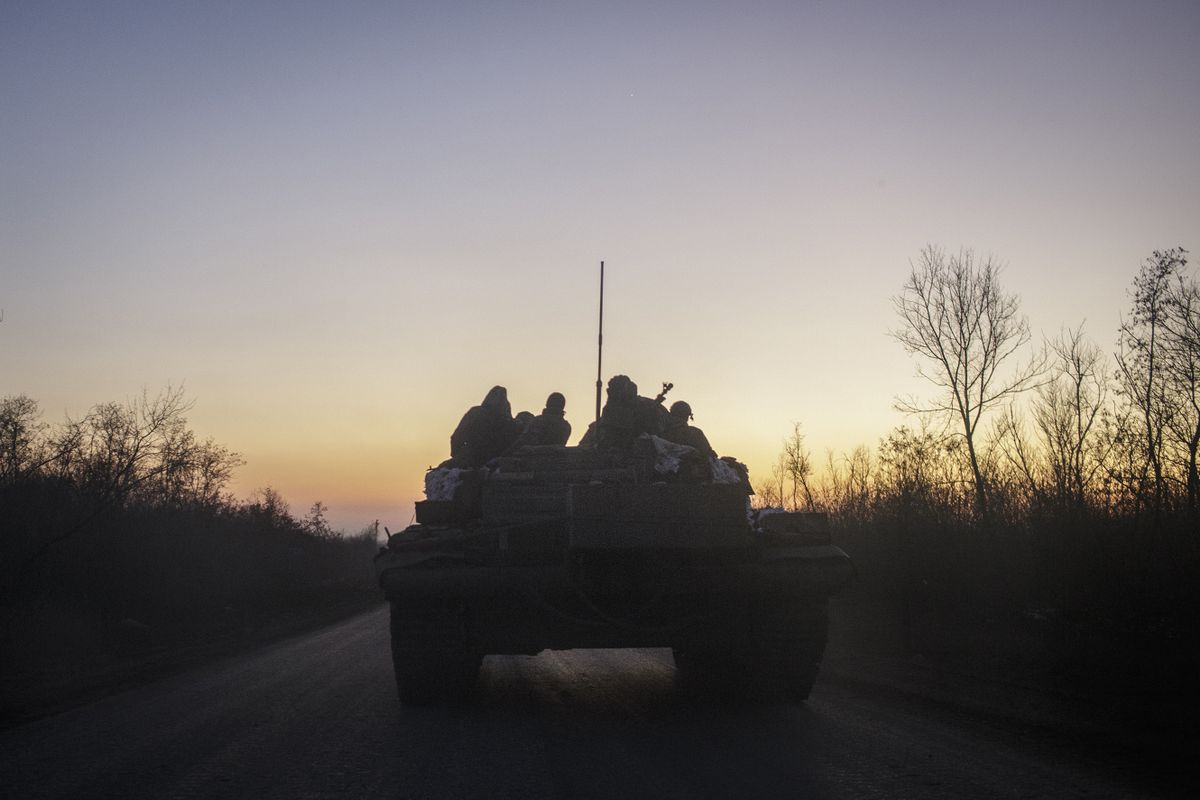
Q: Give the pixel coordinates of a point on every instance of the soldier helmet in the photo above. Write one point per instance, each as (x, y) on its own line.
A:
(497, 400)
(681, 409)
(556, 401)
(622, 389)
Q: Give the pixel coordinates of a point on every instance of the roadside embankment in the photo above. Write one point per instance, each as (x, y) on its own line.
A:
(54, 679)
(1104, 681)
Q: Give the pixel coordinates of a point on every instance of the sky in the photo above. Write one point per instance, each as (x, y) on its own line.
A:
(337, 225)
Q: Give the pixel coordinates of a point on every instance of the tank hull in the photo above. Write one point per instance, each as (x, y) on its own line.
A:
(560, 559)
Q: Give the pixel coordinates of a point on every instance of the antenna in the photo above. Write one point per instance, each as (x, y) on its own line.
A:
(600, 343)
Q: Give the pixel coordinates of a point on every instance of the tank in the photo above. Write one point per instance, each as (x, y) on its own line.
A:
(570, 547)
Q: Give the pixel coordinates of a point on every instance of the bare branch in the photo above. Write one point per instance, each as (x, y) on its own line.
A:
(955, 316)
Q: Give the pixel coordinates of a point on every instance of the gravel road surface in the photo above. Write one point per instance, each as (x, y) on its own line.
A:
(316, 717)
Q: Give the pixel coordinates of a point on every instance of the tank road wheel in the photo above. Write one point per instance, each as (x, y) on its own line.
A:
(711, 661)
(789, 641)
(706, 671)
(772, 657)
(431, 653)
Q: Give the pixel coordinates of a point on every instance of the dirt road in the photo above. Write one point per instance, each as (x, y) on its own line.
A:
(317, 717)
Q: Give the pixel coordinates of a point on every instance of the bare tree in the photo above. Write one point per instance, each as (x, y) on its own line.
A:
(23, 444)
(859, 475)
(1066, 411)
(132, 449)
(212, 468)
(269, 503)
(778, 482)
(1062, 460)
(1011, 438)
(317, 522)
(1141, 364)
(766, 495)
(139, 452)
(1181, 351)
(846, 486)
(922, 470)
(954, 314)
(797, 465)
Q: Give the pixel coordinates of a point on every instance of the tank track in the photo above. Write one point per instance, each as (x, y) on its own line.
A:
(771, 657)
(432, 653)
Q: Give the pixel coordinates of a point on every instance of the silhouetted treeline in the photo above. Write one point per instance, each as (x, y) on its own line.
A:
(909, 508)
(1053, 484)
(119, 539)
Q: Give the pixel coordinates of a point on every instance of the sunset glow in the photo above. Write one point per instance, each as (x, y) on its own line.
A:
(338, 226)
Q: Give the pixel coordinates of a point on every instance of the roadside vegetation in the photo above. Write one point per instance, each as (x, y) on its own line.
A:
(1041, 510)
(121, 546)
(1044, 493)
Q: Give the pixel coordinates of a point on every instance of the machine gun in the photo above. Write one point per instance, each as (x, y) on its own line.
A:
(658, 398)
